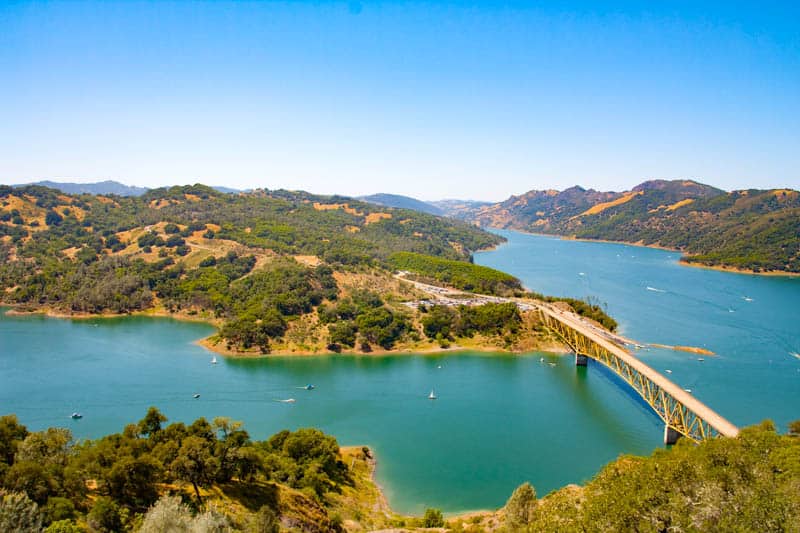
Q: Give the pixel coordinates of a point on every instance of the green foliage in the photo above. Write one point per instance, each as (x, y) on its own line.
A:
(19, 514)
(433, 518)
(130, 468)
(753, 229)
(748, 483)
(520, 507)
(458, 274)
(104, 517)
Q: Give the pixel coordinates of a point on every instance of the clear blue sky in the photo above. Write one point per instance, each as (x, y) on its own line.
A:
(431, 99)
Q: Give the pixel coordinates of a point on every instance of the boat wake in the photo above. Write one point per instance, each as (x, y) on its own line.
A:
(655, 290)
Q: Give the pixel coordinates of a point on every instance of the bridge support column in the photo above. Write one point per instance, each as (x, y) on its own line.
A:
(581, 360)
(671, 435)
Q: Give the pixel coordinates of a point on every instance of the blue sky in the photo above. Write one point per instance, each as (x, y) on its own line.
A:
(430, 99)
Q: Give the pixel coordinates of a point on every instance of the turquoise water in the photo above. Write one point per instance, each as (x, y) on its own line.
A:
(751, 322)
(499, 420)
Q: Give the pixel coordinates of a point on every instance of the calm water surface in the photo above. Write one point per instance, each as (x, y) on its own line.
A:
(499, 420)
(751, 322)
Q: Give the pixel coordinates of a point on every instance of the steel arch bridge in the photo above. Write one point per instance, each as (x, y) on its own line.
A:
(682, 413)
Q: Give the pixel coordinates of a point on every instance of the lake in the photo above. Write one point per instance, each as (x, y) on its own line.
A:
(499, 420)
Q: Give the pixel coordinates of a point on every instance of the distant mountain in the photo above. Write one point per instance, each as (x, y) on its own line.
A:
(460, 208)
(226, 190)
(755, 230)
(402, 202)
(101, 187)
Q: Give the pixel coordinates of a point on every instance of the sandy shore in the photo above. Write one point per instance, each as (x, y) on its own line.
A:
(212, 344)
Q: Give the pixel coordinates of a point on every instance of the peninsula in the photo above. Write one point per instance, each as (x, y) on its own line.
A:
(278, 272)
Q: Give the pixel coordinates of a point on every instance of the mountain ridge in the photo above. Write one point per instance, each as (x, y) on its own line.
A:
(751, 230)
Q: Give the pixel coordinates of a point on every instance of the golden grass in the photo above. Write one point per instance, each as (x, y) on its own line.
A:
(599, 208)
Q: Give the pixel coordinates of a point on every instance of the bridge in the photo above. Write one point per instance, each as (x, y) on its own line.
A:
(682, 413)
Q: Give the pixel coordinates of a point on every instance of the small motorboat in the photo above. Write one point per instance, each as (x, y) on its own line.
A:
(700, 359)
(668, 371)
(432, 395)
(196, 396)
(541, 359)
(214, 360)
(76, 416)
(309, 387)
(287, 400)
(688, 390)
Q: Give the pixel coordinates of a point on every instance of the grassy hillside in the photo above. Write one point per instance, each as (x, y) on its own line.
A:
(752, 230)
(276, 271)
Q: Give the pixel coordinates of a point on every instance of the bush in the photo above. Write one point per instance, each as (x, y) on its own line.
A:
(433, 518)
(104, 516)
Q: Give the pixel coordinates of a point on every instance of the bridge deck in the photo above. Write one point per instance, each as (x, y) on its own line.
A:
(690, 402)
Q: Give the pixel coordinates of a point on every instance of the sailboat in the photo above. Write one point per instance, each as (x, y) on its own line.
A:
(432, 395)
(214, 360)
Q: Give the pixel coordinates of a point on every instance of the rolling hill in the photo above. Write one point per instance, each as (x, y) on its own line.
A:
(753, 230)
(402, 202)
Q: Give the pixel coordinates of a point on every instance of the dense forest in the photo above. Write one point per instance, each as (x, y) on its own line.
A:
(756, 230)
(212, 477)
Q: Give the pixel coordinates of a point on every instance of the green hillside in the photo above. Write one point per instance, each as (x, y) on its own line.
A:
(752, 230)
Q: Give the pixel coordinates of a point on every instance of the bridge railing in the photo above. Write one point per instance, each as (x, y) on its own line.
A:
(681, 412)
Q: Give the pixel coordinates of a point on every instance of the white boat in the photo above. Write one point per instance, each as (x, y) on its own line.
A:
(309, 387)
(700, 359)
(668, 371)
(287, 400)
(196, 396)
(432, 395)
(76, 416)
(214, 360)
(795, 354)
(541, 359)
(688, 390)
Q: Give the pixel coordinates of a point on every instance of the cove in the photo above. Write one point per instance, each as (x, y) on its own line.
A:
(499, 420)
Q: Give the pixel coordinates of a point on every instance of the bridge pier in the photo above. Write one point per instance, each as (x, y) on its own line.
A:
(581, 360)
(671, 435)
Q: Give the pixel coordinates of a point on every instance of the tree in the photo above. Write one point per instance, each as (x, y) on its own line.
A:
(794, 428)
(520, 507)
(439, 321)
(195, 463)
(19, 514)
(52, 218)
(132, 480)
(104, 517)
(151, 423)
(433, 518)
(11, 434)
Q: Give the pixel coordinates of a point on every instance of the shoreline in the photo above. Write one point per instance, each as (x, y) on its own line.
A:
(681, 260)
(219, 349)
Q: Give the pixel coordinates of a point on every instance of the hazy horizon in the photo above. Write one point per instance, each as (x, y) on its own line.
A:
(455, 198)
(430, 99)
